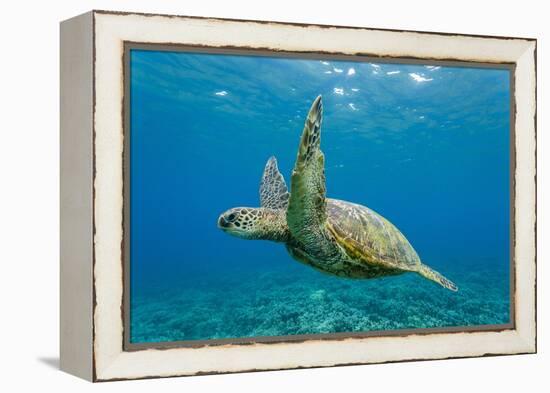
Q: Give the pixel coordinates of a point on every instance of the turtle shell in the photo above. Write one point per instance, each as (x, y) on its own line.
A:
(369, 238)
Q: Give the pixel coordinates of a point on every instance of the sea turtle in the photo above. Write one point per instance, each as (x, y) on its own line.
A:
(333, 236)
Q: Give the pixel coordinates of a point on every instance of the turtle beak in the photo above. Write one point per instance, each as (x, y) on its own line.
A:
(222, 223)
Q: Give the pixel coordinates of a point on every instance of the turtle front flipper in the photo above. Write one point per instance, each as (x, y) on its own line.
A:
(306, 213)
(273, 190)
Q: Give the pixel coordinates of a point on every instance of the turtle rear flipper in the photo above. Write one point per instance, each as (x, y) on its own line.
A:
(431, 274)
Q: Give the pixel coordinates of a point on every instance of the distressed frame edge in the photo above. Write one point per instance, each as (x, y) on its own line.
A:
(527, 340)
(76, 196)
(305, 24)
(525, 217)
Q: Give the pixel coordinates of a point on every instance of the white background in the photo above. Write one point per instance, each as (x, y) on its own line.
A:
(29, 224)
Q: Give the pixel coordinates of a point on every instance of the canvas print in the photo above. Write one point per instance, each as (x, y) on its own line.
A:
(279, 196)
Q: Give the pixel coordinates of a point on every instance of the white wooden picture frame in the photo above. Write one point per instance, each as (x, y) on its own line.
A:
(92, 195)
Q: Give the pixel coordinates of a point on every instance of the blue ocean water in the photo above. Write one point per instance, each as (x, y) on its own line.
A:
(425, 146)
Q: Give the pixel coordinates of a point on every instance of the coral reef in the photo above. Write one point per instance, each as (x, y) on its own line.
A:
(297, 300)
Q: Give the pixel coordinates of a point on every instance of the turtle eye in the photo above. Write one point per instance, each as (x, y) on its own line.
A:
(231, 217)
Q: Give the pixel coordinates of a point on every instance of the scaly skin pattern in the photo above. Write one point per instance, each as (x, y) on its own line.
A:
(273, 191)
(255, 223)
(307, 208)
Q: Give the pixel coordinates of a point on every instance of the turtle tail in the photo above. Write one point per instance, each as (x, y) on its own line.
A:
(431, 274)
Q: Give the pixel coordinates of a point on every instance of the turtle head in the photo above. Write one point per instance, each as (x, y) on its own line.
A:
(254, 223)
